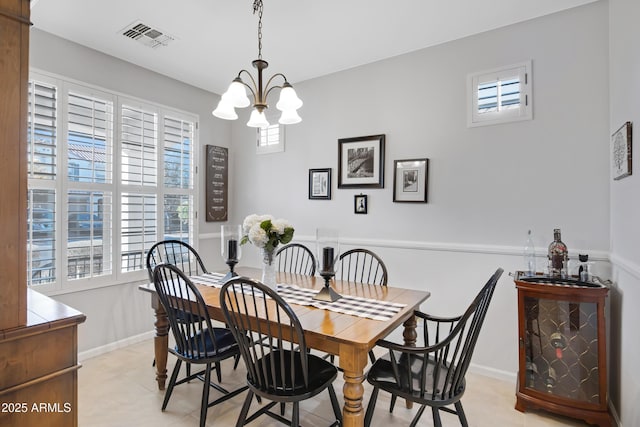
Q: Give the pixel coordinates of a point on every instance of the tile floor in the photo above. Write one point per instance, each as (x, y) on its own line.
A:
(118, 389)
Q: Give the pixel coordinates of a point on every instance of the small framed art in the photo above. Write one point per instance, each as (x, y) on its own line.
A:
(410, 179)
(320, 184)
(360, 204)
(361, 162)
(621, 151)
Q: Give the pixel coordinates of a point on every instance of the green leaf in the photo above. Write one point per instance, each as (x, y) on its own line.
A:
(266, 225)
(287, 236)
(245, 239)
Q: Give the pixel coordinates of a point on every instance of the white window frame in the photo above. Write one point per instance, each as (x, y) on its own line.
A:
(61, 184)
(261, 145)
(521, 70)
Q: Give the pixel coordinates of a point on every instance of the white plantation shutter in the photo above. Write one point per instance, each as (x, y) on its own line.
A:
(88, 223)
(178, 153)
(139, 229)
(89, 138)
(42, 131)
(41, 240)
(139, 146)
(178, 188)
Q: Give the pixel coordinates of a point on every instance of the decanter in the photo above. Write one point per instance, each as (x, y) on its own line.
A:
(558, 256)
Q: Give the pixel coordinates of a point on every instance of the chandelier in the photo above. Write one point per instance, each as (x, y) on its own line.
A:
(236, 94)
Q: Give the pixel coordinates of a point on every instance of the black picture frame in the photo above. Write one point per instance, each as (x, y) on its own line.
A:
(320, 184)
(410, 180)
(621, 152)
(360, 204)
(361, 162)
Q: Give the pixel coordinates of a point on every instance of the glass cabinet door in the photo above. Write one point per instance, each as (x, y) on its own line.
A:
(561, 348)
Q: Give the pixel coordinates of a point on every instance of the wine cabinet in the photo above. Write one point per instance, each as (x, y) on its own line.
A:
(562, 347)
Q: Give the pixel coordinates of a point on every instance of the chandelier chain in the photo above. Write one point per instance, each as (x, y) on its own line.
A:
(257, 6)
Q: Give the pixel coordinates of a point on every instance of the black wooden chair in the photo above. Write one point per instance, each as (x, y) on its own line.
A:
(362, 266)
(282, 371)
(175, 252)
(180, 254)
(433, 374)
(197, 341)
(297, 259)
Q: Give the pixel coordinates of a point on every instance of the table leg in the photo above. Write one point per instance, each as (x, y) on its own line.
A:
(161, 341)
(353, 362)
(410, 336)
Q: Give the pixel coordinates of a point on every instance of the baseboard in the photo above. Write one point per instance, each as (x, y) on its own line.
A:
(493, 373)
(97, 351)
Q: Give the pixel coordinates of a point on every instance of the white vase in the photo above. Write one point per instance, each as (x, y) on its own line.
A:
(269, 268)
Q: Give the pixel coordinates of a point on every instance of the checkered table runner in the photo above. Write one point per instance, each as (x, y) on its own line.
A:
(355, 306)
(209, 279)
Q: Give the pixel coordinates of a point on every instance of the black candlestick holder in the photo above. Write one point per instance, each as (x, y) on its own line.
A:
(327, 293)
(231, 263)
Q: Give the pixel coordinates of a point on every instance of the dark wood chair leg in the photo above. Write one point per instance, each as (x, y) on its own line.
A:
(245, 409)
(461, 415)
(337, 411)
(172, 383)
(371, 407)
(205, 396)
(295, 417)
(218, 372)
(437, 422)
(393, 403)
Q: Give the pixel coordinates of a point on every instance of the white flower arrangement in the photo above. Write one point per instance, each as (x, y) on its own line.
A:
(263, 231)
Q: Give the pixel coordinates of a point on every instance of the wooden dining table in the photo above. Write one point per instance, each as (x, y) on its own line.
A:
(347, 336)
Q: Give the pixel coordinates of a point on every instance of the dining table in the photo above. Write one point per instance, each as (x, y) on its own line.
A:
(347, 334)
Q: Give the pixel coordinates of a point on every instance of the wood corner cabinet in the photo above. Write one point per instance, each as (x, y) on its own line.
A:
(562, 348)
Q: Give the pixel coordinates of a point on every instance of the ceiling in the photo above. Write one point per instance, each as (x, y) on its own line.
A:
(215, 39)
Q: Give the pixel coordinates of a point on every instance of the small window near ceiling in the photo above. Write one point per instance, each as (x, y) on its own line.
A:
(271, 138)
(501, 95)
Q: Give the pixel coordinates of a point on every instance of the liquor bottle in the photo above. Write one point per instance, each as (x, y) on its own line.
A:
(559, 342)
(550, 380)
(532, 373)
(558, 255)
(529, 256)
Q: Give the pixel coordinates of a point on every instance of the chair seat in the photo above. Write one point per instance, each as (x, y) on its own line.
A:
(382, 375)
(321, 374)
(205, 348)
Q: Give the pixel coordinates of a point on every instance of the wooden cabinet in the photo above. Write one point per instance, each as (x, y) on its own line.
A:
(39, 366)
(562, 348)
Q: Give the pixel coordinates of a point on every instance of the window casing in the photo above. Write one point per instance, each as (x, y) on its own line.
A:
(501, 95)
(108, 177)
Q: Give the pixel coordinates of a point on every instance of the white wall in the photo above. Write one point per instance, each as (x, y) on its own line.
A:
(487, 185)
(625, 210)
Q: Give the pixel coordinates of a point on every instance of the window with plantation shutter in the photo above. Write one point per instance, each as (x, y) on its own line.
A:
(109, 176)
(501, 95)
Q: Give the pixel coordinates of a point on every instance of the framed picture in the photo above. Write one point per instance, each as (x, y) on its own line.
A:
(410, 180)
(361, 162)
(621, 151)
(360, 204)
(320, 184)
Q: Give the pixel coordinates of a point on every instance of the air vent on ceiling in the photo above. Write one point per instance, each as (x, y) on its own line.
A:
(147, 35)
